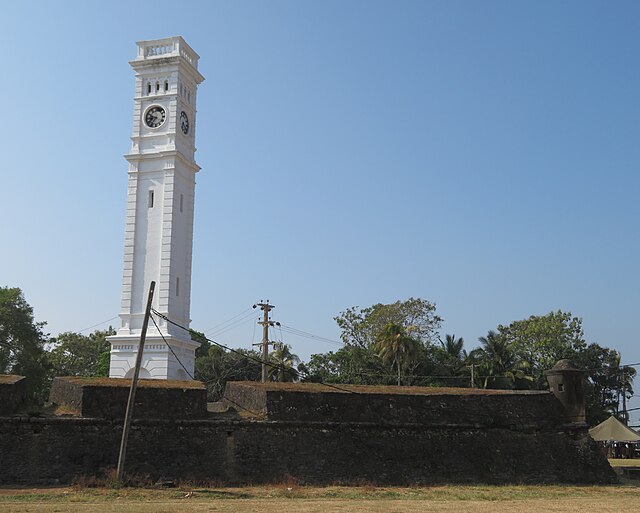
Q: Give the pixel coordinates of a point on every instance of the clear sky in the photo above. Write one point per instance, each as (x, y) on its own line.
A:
(479, 154)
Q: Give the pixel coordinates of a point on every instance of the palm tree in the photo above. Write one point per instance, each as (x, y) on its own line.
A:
(454, 347)
(453, 358)
(497, 359)
(282, 362)
(623, 384)
(395, 346)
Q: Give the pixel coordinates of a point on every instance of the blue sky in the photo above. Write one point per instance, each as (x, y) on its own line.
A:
(482, 155)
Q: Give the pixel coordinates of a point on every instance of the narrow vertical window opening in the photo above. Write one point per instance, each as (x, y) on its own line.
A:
(181, 202)
(177, 286)
(157, 86)
(148, 87)
(150, 198)
(166, 85)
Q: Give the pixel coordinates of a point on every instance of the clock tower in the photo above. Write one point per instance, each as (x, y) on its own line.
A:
(159, 215)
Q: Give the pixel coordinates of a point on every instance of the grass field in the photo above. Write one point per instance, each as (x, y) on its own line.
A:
(303, 499)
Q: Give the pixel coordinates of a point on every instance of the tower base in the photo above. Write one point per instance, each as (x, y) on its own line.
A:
(158, 361)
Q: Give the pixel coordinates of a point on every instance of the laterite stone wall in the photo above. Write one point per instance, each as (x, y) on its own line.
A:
(13, 393)
(57, 450)
(107, 398)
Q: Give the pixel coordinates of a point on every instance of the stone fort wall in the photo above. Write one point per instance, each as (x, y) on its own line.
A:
(314, 434)
(46, 450)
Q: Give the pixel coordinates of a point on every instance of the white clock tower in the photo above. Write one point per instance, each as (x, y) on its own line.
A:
(159, 217)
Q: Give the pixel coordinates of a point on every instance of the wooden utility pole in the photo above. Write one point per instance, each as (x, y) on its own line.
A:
(266, 308)
(473, 381)
(625, 415)
(134, 384)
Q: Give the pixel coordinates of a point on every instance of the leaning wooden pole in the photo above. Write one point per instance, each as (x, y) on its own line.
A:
(134, 385)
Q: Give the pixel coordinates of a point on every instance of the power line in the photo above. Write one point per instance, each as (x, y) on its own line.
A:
(99, 324)
(171, 348)
(238, 323)
(300, 333)
(248, 357)
(228, 320)
(361, 374)
(231, 325)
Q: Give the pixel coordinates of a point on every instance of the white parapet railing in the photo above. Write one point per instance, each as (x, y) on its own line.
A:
(167, 47)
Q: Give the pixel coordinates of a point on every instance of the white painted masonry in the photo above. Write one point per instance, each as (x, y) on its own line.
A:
(159, 217)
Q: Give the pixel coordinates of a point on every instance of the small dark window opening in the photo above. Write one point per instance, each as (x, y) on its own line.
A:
(181, 201)
(560, 387)
(177, 286)
(166, 85)
(157, 86)
(151, 198)
(148, 87)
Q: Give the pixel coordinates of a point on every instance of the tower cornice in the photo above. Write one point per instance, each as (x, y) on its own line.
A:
(159, 155)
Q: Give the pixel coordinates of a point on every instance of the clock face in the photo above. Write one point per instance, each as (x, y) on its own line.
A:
(155, 116)
(184, 122)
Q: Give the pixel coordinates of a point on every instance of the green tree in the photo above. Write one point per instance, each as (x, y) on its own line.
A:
(203, 348)
(606, 381)
(74, 354)
(450, 361)
(219, 366)
(499, 364)
(394, 346)
(454, 347)
(361, 327)
(543, 340)
(22, 342)
(283, 363)
(349, 364)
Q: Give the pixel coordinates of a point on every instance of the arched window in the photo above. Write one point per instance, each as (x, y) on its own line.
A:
(144, 373)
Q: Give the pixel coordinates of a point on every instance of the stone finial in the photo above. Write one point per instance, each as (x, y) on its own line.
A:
(567, 384)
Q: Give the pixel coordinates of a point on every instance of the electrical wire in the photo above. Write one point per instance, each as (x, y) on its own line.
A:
(171, 348)
(99, 324)
(295, 373)
(305, 334)
(231, 325)
(268, 364)
(228, 320)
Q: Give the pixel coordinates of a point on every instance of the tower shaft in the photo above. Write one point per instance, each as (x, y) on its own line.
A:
(160, 208)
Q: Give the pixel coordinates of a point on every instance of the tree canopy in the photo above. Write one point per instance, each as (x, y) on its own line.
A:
(22, 342)
(542, 340)
(361, 327)
(74, 354)
(384, 344)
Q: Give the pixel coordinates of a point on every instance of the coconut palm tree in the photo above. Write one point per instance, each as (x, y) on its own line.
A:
(395, 346)
(454, 347)
(282, 362)
(452, 359)
(498, 361)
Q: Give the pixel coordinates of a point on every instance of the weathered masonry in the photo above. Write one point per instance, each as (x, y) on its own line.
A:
(312, 433)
